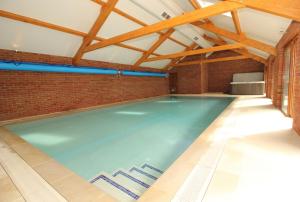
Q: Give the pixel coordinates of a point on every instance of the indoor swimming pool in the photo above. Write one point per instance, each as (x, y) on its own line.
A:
(153, 132)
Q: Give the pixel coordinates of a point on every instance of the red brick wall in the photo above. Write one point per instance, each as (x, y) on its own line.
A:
(293, 33)
(213, 77)
(32, 93)
(191, 79)
(220, 73)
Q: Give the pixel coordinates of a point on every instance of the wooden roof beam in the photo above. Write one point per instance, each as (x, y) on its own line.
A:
(59, 28)
(196, 52)
(154, 47)
(133, 19)
(239, 38)
(205, 61)
(87, 40)
(284, 8)
(176, 60)
(192, 16)
(196, 5)
(244, 52)
(236, 21)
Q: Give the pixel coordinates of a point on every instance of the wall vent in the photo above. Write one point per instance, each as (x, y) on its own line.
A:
(165, 15)
(196, 38)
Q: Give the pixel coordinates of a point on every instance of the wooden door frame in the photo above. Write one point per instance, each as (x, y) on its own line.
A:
(292, 78)
(292, 69)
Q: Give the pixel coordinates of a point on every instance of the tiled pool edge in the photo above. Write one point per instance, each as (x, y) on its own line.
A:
(66, 187)
(170, 183)
(63, 180)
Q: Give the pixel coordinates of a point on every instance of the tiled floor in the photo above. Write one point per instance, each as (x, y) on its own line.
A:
(260, 162)
(8, 190)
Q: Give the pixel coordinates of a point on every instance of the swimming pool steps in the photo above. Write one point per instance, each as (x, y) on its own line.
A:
(152, 168)
(131, 178)
(127, 185)
(134, 169)
(114, 189)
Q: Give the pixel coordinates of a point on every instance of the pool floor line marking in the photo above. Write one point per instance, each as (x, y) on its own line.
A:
(143, 173)
(131, 178)
(152, 168)
(118, 186)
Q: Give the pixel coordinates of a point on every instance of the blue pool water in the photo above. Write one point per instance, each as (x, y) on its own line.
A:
(155, 131)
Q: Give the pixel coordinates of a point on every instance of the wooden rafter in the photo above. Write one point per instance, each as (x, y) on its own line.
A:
(196, 5)
(239, 38)
(161, 39)
(87, 40)
(240, 57)
(175, 60)
(236, 21)
(193, 16)
(133, 19)
(240, 51)
(284, 8)
(40, 23)
(196, 52)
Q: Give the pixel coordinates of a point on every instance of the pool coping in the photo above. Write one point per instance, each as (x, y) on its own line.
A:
(170, 183)
(63, 178)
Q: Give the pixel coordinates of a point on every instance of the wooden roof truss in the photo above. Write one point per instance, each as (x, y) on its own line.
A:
(199, 18)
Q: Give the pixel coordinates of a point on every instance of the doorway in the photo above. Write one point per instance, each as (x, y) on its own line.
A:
(288, 79)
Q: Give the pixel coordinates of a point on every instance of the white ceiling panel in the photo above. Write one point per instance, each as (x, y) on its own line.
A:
(135, 11)
(224, 22)
(169, 47)
(185, 5)
(114, 54)
(144, 42)
(182, 38)
(76, 14)
(116, 25)
(263, 26)
(29, 38)
(160, 64)
(256, 25)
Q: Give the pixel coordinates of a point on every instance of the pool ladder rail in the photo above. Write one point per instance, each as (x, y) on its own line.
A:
(127, 185)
